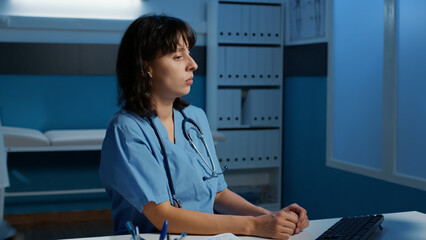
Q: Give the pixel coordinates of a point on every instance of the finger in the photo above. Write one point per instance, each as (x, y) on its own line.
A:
(289, 225)
(287, 230)
(302, 226)
(298, 209)
(302, 218)
(291, 216)
(305, 223)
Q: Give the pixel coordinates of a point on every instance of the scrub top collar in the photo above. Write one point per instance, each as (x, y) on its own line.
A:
(179, 137)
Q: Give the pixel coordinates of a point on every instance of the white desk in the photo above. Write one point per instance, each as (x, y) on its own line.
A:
(401, 226)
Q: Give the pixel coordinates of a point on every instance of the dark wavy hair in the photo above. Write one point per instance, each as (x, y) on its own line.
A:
(142, 41)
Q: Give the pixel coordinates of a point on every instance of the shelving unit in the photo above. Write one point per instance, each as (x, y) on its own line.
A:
(244, 94)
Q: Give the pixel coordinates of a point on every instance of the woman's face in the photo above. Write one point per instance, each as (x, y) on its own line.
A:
(172, 73)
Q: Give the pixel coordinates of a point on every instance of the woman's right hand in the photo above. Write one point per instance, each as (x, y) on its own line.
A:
(281, 225)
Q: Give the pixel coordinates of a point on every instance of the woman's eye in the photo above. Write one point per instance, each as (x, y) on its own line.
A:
(177, 57)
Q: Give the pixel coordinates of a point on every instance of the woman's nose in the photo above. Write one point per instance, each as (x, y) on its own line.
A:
(192, 65)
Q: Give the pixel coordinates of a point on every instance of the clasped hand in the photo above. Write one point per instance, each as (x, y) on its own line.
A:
(284, 223)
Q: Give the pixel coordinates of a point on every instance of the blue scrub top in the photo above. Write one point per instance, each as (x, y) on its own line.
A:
(132, 167)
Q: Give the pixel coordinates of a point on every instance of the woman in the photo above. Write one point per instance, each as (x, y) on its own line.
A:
(154, 70)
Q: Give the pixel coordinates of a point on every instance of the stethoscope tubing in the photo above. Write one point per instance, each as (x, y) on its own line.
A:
(166, 165)
(177, 202)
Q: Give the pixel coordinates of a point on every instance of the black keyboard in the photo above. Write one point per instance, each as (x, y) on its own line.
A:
(356, 228)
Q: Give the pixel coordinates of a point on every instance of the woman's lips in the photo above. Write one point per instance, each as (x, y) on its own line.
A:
(189, 81)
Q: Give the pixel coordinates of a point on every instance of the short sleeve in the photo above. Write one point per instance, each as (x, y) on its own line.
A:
(129, 167)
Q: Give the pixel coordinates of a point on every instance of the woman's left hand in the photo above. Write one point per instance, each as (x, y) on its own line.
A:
(303, 221)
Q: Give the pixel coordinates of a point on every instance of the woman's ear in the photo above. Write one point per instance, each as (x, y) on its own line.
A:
(148, 69)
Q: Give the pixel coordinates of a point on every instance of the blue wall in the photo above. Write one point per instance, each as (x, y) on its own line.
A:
(326, 192)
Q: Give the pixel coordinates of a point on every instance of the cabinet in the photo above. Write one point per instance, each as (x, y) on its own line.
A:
(244, 94)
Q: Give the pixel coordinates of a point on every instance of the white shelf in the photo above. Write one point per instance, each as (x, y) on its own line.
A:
(244, 89)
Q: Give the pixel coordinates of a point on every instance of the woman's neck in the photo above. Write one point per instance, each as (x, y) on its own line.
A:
(164, 111)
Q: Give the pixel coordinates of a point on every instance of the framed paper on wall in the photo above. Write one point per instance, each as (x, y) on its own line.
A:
(306, 21)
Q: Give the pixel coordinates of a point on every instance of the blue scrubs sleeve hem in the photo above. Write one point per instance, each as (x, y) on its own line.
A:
(157, 199)
(222, 187)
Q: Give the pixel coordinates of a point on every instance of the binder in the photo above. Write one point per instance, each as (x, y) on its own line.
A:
(230, 66)
(223, 149)
(276, 115)
(251, 151)
(244, 150)
(248, 108)
(238, 148)
(269, 147)
(245, 66)
(224, 18)
(262, 65)
(277, 20)
(269, 24)
(238, 65)
(254, 24)
(265, 107)
(236, 107)
(236, 23)
(269, 63)
(276, 147)
(245, 21)
(221, 56)
(272, 148)
(260, 148)
(253, 61)
(224, 109)
(278, 63)
(273, 105)
(263, 22)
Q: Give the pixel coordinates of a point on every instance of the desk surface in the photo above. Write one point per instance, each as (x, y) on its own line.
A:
(403, 225)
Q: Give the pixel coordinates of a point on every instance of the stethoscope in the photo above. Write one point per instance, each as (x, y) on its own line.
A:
(186, 120)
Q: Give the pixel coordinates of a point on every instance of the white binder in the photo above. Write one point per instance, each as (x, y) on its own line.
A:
(237, 23)
(277, 20)
(269, 63)
(230, 66)
(245, 66)
(236, 107)
(262, 66)
(221, 65)
(260, 148)
(269, 25)
(278, 63)
(238, 66)
(245, 23)
(224, 109)
(245, 148)
(223, 149)
(254, 24)
(253, 69)
(263, 18)
(224, 18)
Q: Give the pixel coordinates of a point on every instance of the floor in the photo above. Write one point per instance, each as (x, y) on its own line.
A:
(62, 225)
